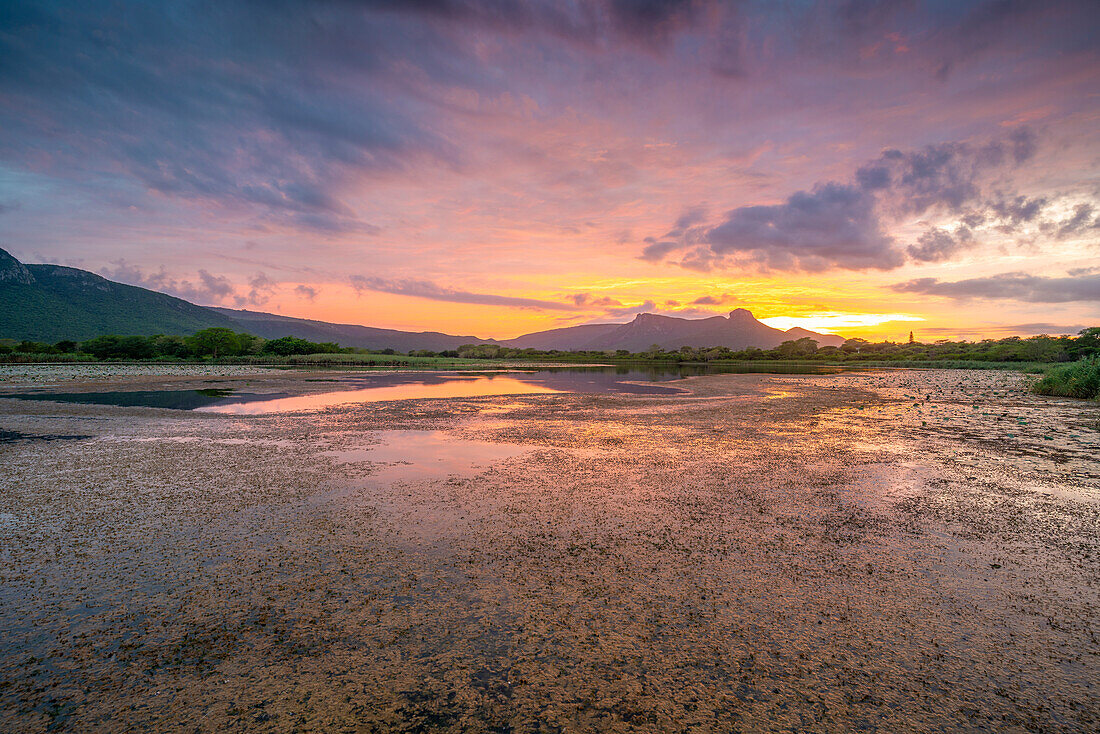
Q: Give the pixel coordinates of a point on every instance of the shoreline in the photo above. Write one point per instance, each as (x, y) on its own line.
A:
(886, 549)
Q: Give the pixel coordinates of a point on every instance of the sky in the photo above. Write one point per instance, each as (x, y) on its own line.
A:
(493, 167)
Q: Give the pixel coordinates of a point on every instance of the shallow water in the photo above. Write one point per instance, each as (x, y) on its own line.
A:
(410, 456)
(905, 551)
(173, 399)
(380, 387)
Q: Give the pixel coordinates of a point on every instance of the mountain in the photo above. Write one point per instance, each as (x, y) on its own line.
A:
(570, 337)
(271, 326)
(51, 302)
(740, 330)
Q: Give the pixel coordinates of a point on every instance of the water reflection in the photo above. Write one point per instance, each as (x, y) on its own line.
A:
(456, 386)
(423, 455)
(171, 399)
(378, 386)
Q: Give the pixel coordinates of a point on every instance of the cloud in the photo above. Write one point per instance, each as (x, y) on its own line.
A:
(306, 291)
(1010, 286)
(1016, 210)
(261, 288)
(945, 176)
(432, 291)
(719, 300)
(655, 251)
(209, 289)
(832, 225)
(244, 110)
(1081, 221)
(465, 124)
(937, 245)
(588, 300)
(1000, 331)
(838, 225)
(647, 306)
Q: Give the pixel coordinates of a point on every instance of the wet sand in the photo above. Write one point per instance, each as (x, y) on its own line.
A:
(891, 551)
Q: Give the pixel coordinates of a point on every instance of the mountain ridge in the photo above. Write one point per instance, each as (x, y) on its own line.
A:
(54, 302)
(739, 330)
(44, 302)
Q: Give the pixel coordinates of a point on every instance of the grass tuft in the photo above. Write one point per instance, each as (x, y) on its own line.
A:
(1075, 380)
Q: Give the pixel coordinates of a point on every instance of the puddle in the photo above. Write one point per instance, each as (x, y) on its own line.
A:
(420, 455)
(171, 399)
(380, 387)
(457, 387)
(17, 437)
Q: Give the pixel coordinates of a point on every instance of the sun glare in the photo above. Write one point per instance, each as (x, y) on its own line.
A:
(830, 321)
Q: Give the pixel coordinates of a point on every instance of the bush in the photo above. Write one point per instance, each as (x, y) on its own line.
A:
(287, 345)
(1076, 380)
(112, 346)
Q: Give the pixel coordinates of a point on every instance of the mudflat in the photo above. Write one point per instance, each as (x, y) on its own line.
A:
(909, 550)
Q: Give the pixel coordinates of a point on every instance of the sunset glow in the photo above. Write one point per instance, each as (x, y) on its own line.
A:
(495, 169)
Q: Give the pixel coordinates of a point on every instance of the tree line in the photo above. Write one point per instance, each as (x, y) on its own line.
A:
(216, 343)
(209, 343)
(1011, 349)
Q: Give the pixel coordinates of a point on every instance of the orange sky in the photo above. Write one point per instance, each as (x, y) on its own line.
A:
(507, 169)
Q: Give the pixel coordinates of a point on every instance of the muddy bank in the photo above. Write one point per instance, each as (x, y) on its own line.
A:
(911, 550)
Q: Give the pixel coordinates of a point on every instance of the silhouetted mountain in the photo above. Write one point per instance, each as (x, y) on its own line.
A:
(739, 331)
(51, 302)
(570, 337)
(272, 326)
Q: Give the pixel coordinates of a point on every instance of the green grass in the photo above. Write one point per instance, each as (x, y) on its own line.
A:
(1074, 380)
(357, 360)
(20, 358)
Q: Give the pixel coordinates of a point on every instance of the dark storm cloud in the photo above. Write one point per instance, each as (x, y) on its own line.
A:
(1010, 286)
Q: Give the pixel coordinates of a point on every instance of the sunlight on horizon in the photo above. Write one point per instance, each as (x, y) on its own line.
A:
(830, 322)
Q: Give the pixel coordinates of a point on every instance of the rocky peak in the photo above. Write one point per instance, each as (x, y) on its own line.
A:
(13, 271)
(741, 315)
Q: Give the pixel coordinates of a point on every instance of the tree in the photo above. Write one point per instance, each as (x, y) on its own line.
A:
(287, 345)
(1087, 342)
(911, 340)
(215, 341)
(853, 345)
(804, 347)
(112, 346)
(29, 347)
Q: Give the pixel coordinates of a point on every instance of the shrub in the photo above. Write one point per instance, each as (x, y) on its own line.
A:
(1076, 380)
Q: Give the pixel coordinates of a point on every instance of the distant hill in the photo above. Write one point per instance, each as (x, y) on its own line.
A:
(570, 337)
(740, 330)
(272, 326)
(51, 302)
